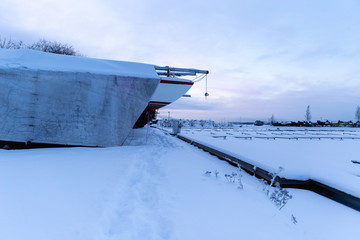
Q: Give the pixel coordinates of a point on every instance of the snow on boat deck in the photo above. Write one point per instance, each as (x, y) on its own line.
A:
(154, 187)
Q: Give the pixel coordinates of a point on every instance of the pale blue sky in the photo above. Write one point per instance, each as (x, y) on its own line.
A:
(264, 57)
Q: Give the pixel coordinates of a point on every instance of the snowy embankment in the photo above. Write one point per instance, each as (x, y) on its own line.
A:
(152, 188)
(326, 156)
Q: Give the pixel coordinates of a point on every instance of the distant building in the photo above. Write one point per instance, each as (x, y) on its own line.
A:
(259, 123)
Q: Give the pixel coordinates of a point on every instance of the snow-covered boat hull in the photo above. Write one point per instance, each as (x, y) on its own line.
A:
(67, 108)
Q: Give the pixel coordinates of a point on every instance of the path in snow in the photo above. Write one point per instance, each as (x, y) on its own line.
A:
(136, 210)
(154, 187)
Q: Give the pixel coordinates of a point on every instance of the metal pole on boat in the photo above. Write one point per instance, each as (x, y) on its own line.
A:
(168, 71)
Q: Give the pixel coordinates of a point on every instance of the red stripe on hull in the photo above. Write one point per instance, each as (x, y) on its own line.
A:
(153, 105)
(176, 82)
(156, 102)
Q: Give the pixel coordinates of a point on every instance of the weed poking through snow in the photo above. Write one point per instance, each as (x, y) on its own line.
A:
(279, 196)
(239, 177)
(276, 194)
(274, 175)
(231, 178)
(293, 219)
(216, 173)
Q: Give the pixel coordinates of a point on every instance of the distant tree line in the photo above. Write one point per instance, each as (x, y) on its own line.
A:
(308, 123)
(40, 45)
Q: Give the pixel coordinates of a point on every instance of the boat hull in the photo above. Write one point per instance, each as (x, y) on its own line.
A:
(168, 91)
(68, 108)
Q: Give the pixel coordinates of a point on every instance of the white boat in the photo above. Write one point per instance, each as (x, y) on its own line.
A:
(69, 100)
(169, 90)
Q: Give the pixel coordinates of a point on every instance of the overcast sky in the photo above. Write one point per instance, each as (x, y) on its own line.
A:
(264, 57)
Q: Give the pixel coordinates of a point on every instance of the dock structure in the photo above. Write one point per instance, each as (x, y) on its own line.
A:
(310, 184)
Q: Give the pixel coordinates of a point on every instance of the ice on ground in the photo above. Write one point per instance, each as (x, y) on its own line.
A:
(152, 188)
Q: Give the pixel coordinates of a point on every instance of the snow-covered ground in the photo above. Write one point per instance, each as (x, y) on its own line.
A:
(154, 187)
(322, 154)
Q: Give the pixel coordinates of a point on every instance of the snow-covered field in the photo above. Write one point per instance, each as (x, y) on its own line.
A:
(154, 187)
(327, 155)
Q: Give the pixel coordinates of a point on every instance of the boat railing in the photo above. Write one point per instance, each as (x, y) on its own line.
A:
(172, 71)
